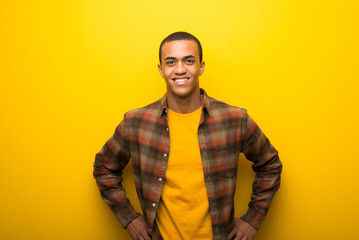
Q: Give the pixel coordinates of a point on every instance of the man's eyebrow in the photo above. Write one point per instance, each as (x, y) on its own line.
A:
(185, 57)
(189, 56)
(169, 58)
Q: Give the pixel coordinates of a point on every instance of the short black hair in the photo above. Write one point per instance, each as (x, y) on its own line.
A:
(177, 36)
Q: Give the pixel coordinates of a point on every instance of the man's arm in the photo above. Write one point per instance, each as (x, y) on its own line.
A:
(108, 167)
(257, 148)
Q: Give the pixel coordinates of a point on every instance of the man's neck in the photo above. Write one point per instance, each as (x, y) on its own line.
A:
(184, 105)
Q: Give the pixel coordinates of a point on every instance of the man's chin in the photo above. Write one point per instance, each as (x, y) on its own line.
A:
(183, 94)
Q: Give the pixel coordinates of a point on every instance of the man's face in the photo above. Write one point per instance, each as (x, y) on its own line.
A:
(181, 68)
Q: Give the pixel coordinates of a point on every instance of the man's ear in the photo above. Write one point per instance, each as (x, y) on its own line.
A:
(201, 66)
(160, 69)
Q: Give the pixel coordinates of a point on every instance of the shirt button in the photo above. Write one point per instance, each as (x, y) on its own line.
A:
(165, 154)
(153, 204)
(160, 179)
(167, 129)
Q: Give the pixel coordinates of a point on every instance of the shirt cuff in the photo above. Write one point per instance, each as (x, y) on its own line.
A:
(253, 218)
(134, 217)
(126, 215)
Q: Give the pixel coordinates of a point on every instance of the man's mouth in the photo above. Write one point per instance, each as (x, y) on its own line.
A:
(179, 80)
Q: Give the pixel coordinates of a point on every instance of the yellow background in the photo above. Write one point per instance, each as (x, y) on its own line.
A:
(69, 70)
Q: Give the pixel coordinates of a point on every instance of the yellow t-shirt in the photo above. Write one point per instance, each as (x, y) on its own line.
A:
(183, 212)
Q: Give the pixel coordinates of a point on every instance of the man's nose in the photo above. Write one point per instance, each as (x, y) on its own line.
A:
(180, 68)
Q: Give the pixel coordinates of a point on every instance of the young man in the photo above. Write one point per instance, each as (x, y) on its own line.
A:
(184, 150)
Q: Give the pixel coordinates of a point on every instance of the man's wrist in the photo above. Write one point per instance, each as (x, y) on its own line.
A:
(126, 221)
(253, 218)
(132, 220)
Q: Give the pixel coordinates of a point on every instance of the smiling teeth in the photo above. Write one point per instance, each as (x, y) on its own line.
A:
(181, 80)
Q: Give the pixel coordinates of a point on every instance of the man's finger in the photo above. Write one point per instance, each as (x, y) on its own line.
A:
(231, 235)
(146, 235)
(239, 236)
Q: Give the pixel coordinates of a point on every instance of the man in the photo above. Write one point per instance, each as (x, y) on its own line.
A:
(184, 150)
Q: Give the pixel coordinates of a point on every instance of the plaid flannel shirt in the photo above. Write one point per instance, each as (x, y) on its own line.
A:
(224, 132)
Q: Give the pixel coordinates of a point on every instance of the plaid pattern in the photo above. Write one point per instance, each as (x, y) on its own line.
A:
(224, 132)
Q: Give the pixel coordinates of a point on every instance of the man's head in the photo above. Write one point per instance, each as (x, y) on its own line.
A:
(181, 65)
(177, 36)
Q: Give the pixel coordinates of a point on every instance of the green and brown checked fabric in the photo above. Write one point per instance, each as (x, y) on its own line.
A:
(223, 133)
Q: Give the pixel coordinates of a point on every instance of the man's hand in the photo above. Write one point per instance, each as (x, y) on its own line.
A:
(139, 229)
(241, 231)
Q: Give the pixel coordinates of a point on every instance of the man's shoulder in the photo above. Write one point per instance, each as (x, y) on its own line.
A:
(218, 107)
(151, 110)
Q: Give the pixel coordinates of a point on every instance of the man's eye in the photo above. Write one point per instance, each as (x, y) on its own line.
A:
(190, 61)
(170, 62)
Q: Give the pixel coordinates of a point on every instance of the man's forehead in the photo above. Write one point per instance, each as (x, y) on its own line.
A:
(180, 47)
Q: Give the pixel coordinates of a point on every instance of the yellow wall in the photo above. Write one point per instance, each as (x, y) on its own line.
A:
(69, 70)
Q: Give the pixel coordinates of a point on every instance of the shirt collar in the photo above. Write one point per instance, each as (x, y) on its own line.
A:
(205, 103)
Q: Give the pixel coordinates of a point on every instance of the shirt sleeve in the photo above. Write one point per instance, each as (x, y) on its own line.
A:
(267, 166)
(108, 168)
